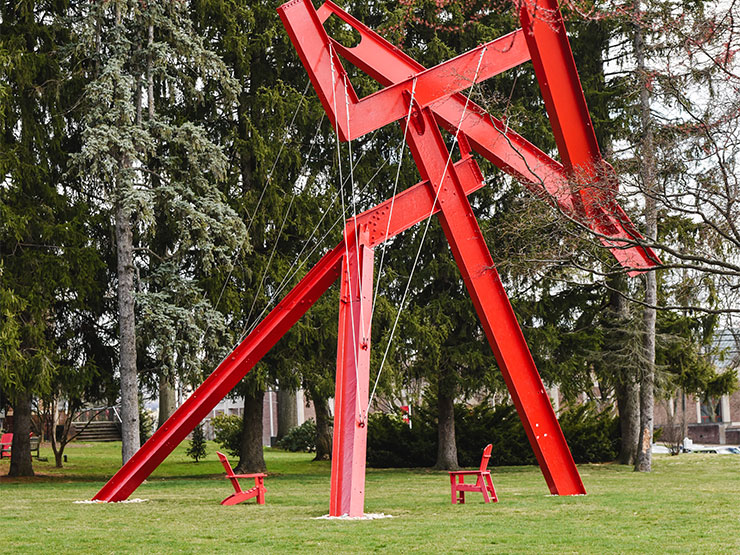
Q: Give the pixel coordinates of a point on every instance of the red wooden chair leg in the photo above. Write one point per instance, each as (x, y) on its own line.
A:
(260, 491)
(453, 489)
(236, 498)
(483, 489)
(489, 484)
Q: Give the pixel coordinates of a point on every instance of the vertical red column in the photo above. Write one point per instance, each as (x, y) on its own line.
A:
(353, 374)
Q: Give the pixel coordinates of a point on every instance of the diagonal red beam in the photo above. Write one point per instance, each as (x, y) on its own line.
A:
(570, 119)
(494, 310)
(377, 110)
(228, 374)
(455, 75)
(503, 147)
(410, 207)
(560, 85)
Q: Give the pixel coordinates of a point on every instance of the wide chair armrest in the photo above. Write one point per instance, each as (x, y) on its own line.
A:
(468, 472)
(258, 475)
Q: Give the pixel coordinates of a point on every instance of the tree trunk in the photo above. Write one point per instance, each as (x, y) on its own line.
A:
(127, 334)
(287, 412)
(684, 423)
(647, 382)
(166, 399)
(20, 455)
(628, 406)
(58, 448)
(323, 429)
(446, 446)
(251, 457)
(627, 389)
(647, 171)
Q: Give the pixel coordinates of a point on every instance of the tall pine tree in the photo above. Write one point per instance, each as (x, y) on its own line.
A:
(158, 174)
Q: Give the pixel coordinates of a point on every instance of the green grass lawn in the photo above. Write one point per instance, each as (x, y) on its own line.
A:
(689, 503)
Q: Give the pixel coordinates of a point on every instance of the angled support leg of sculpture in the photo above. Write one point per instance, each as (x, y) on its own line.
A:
(494, 310)
(231, 370)
(351, 396)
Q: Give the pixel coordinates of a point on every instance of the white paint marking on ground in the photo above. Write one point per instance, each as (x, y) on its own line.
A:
(366, 516)
(95, 502)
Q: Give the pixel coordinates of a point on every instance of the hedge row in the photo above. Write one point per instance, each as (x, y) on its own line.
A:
(592, 436)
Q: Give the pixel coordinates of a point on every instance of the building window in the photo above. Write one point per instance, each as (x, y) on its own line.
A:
(711, 410)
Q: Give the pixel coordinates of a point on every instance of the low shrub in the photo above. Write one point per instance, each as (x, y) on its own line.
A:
(300, 438)
(228, 431)
(592, 436)
(477, 426)
(391, 444)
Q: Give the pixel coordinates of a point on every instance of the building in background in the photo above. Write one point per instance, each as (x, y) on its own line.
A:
(270, 413)
(711, 420)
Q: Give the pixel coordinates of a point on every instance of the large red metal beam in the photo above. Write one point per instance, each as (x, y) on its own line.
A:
(411, 206)
(494, 310)
(353, 373)
(228, 374)
(571, 122)
(506, 149)
(561, 88)
(340, 101)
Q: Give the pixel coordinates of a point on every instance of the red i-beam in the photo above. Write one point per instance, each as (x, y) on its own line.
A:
(432, 97)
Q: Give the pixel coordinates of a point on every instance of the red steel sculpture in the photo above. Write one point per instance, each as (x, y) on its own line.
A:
(582, 186)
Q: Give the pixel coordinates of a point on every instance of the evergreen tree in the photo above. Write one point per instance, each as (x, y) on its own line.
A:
(50, 270)
(276, 148)
(157, 173)
(197, 449)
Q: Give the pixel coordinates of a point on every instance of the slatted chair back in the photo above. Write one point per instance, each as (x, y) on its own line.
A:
(485, 458)
(225, 462)
(6, 441)
(229, 472)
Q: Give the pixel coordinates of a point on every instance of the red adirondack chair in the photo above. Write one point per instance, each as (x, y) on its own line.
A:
(482, 484)
(6, 442)
(239, 494)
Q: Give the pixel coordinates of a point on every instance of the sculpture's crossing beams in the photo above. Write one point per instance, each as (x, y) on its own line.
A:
(577, 187)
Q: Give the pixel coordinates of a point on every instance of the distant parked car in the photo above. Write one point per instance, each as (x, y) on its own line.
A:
(718, 450)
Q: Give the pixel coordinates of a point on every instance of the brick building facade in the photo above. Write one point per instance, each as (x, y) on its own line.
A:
(712, 421)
